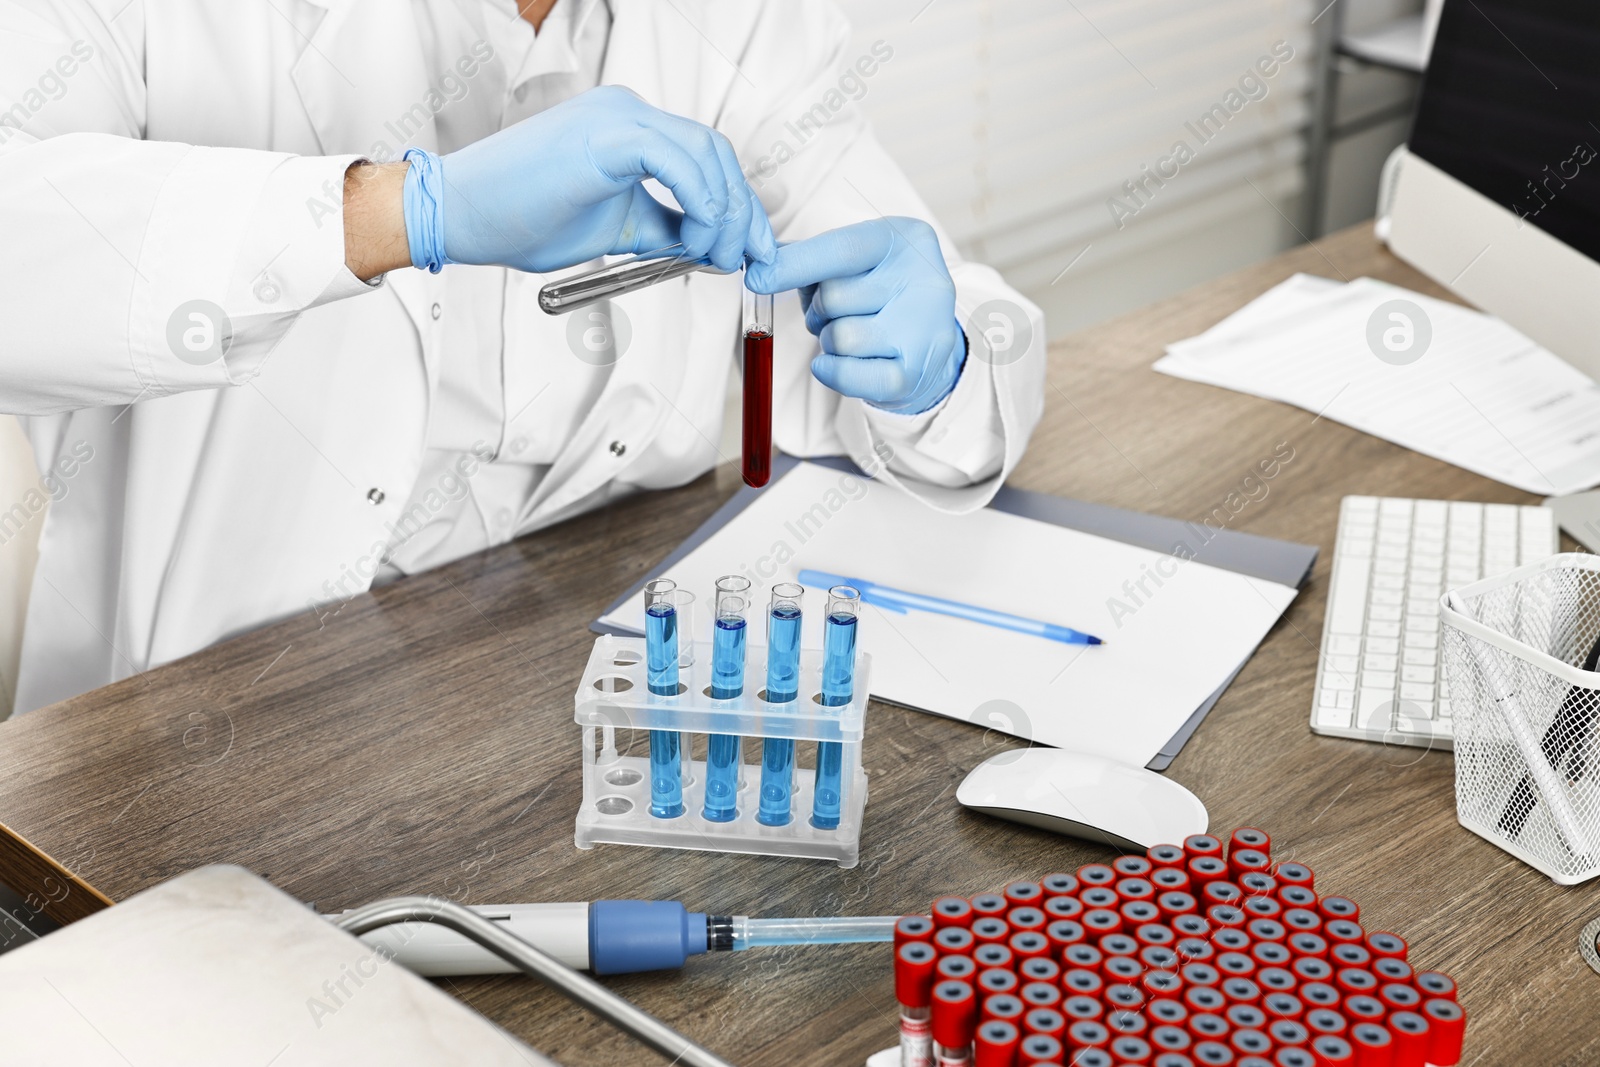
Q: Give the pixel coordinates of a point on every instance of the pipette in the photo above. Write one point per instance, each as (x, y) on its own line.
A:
(624, 276)
(614, 936)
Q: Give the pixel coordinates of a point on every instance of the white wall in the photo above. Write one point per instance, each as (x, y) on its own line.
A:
(17, 552)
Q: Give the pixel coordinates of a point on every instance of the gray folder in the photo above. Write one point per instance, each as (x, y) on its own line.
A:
(1285, 562)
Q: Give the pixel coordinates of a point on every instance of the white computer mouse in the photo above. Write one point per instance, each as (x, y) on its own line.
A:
(1084, 796)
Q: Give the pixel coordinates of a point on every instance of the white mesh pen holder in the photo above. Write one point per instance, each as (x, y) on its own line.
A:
(1526, 750)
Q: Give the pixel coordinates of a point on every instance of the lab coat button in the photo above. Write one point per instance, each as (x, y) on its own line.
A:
(519, 445)
(502, 518)
(437, 311)
(266, 292)
(618, 448)
(375, 495)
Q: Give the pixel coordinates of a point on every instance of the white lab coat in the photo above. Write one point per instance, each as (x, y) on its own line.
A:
(223, 495)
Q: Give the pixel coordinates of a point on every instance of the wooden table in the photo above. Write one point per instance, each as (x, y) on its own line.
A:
(421, 740)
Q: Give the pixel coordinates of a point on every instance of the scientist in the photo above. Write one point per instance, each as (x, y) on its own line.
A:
(273, 264)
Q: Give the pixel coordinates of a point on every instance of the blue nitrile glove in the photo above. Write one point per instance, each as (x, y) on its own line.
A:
(880, 300)
(563, 187)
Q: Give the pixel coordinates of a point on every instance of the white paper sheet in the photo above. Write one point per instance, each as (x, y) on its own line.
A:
(1168, 646)
(1481, 396)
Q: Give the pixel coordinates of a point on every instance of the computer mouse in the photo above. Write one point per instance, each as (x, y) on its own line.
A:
(1084, 796)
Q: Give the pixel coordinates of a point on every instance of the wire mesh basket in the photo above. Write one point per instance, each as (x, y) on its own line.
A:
(1520, 655)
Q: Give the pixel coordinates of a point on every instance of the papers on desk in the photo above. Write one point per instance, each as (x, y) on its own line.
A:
(1168, 647)
(1481, 395)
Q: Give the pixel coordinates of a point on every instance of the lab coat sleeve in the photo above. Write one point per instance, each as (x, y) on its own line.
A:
(811, 156)
(114, 244)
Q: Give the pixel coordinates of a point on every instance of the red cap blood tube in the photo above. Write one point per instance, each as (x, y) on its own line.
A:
(1024, 894)
(1132, 866)
(1331, 1050)
(1081, 1007)
(1343, 930)
(1297, 896)
(955, 1017)
(1028, 944)
(1168, 1038)
(1063, 908)
(952, 911)
(1122, 996)
(1289, 874)
(1026, 918)
(953, 940)
(1089, 1057)
(1046, 1021)
(1249, 838)
(1320, 995)
(1087, 1034)
(1312, 969)
(959, 968)
(1123, 969)
(1242, 861)
(1221, 891)
(1267, 930)
(1241, 990)
(1447, 1026)
(1225, 917)
(1042, 1050)
(991, 955)
(1390, 969)
(1230, 940)
(1412, 1041)
(1177, 903)
(1361, 1008)
(1282, 1005)
(1167, 879)
(1039, 969)
(1398, 997)
(1263, 908)
(1154, 933)
(1202, 845)
(1132, 1050)
(1058, 885)
(1212, 1054)
(995, 1044)
(989, 929)
(1101, 921)
(1040, 994)
(1258, 884)
(1099, 896)
(1167, 1012)
(1084, 955)
(1134, 888)
(1136, 913)
(1203, 1000)
(1165, 855)
(995, 980)
(1276, 980)
(1250, 1042)
(990, 904)
(1094, 874)
(1339, 908)
(1191, 926)
(1325, 1021)
(1433, 984)
(1172, 1059)
(1161, 983)
(1271, 954)
(912, 928)
(1383, 943)
(1205, 869)
(1235, 965)
(1288, 1032)
(1374, 1045)
(1207, 1026)
(1245, 1017)
(1200, 974)
(1062, 933)
(1293, 1056)
(1304, 942)
(1004, 1006)
(1081, 981)
(1355, 982)
(1160, 958)
(913, 988)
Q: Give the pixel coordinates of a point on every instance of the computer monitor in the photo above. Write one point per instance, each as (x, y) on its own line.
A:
(1498, 194)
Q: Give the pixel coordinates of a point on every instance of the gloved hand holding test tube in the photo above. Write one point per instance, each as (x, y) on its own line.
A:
(614, 936)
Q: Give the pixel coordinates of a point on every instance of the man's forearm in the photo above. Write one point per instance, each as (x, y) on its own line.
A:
(374, 219)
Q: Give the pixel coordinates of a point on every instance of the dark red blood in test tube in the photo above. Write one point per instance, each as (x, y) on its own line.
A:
(757, 425)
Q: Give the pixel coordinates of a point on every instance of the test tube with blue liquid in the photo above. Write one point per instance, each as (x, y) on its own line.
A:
(731, 609)
(783, 687)
(838, 687)
(661, 663)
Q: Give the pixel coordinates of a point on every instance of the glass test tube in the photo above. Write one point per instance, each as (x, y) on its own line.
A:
(620, 278)
(756, 428)
(661, 667)
(783, 686)
(838, 686)
(732, 608)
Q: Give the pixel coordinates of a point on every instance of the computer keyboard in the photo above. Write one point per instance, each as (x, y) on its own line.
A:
(1379, 675)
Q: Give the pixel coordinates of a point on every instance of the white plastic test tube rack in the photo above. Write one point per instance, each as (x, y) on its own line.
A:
(615, 708)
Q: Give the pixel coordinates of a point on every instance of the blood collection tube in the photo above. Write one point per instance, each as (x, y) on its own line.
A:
(995, 980)
(1170, 1038)
(1297, 896)
(913, 988)
(1360, 1008)
(1243, 861)
(1208, 1026)
(1098, 921)
(1355, 982)
(1004, 1006)
(1447, 1025)
(1022, 894)
(1165, 855)
(620, 278)
(1205, 869)
(1412, 1040)
(1170, 880)
(757, 426)
(1276, 980)
(1390, 969)
(990, 904)
(1082, 981)
(1195, 949)
(1177, 903)
(1289, 1056)
(1221, 891)
(1319, 995)
(1260, 884)
(952, 911)
(1063, 933)
(1304, 920)
(661, 663)
(1282, 1005)
(1045, 1020)
(1172, 1059)
(995, 1044)
(1230, 940)
(1042, 1050)
(1250, 1042)
(1202, 845)
(955, 968)
(1124, 997)
(838, 687)
(1029, 944)
(1039, 969)
(1383, 943)
(953, 941)
(1288, 1032)
(1241, 990)
(783, 687)
(1026, 918)
(1294, 874)
(1083, 956)
(991, 930)
(1248, 837)
(1339, 908)
(1325, 1021)
(1374, 1045)
(1099, 896)
(1434, 984)
(732, 607)
(1089, 1057)
(1077, 1008)
(955, 1018)
(1122, 970)
(993, 954)
(912, 928)
(1212, 1054)
(1332, 1050)
(1400, 997)
(1339, 931)
(1132, 1051)
(1096, 874)
(1088, 1034)
(1058, 885)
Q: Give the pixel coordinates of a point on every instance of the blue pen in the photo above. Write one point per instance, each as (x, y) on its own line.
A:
(898, 600)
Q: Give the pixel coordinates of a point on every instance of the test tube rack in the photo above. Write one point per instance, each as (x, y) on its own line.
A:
(615, 709)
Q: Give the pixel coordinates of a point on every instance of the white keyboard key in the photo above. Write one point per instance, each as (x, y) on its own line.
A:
(1384, 612)
(1386, 646)
(1424, 657)
(1339, 680)
(1375, 662)
(1422, 640)
(1343, 664)
(1386, 596)
(1422, 694)
(1361, 505)
(1388, 581)
(1338, 698)
(1378, 680)
(1442, 710)
(1384, 629)
(1338, 718)
(1389, 566)
(1392, 551)
(1421, 624)
(1342, 645)
(1374, 709)
(1432, 512)
(1410, 673)
(1347, 598)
